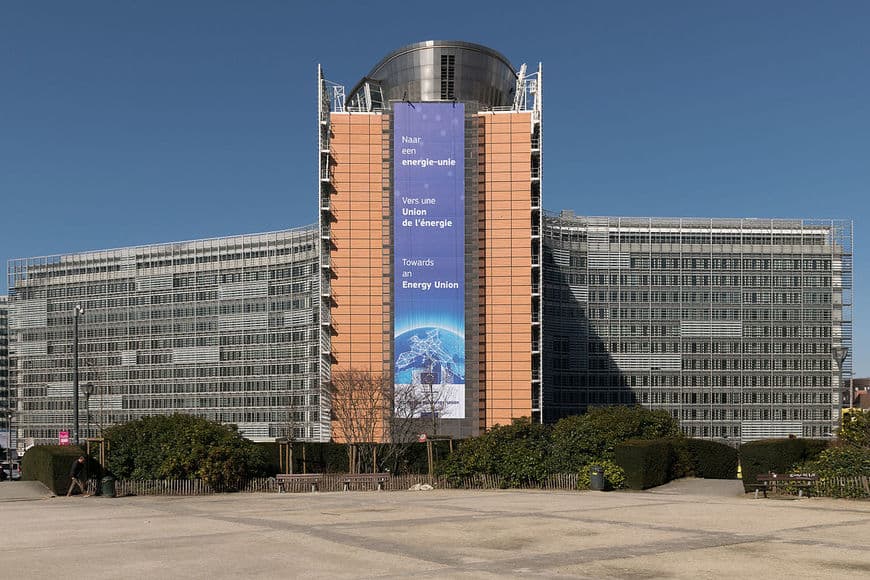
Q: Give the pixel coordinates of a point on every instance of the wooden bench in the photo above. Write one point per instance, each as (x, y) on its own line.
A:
(284, 480)
(378, 479)
(774, 481)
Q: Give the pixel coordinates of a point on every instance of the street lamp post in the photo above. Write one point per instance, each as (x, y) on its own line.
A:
(77, 311)
(839, 353)
(87, 391)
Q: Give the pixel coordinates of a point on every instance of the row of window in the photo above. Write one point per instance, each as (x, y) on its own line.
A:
(609, 379)
(173, 372)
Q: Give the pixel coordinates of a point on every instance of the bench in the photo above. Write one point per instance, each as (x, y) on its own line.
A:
(285, 480)
(378, 479)
(774, 481)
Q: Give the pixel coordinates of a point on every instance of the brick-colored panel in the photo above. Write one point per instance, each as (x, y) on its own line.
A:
(357, 204)
(506, 204)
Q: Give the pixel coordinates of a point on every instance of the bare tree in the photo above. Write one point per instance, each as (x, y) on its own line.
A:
(417, 408)
(360, 410)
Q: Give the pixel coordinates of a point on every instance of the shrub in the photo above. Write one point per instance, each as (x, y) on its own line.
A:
(647, 463)
(51, 465)
(777, 456)
(581, 439)
(614, 475)
(839, 462)
(711, 459)
(517, 453)
(183, 447)
(855, 429)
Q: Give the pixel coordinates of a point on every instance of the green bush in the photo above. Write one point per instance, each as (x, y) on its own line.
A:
(183, 447)
(331, 457)
(51, 465)
(614, 475)
(855, 429)
(711, 459)
(582, 439)
(841, 461)
(517, 453)
(647, 462)
(777, 456)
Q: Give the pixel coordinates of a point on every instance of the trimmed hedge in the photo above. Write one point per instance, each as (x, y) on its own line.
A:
(579, 440)
(332, 457)
(711, 459)
(51, 465)
(646, 462)
(776, 455)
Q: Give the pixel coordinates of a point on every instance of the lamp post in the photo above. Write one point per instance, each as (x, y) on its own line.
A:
(77, 311)
(839, 353)
(87, 391)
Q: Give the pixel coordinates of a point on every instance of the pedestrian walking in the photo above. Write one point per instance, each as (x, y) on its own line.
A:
(75, 473)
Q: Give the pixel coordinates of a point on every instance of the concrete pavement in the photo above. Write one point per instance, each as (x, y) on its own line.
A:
(23, 490)
(681, 531)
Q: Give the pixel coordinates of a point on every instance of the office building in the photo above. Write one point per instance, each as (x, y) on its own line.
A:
(433, 270)
(6, 398)
(430, 196)
(729, 325)
(224, 328)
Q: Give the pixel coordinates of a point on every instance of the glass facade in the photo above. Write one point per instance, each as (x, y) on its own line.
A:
(728, 325)
(224, 328)
(6, 395)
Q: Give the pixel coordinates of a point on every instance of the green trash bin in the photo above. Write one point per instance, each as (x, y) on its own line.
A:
(108, 486)
(596, 478)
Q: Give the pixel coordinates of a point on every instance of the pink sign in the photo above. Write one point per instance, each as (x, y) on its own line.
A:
(63, 437)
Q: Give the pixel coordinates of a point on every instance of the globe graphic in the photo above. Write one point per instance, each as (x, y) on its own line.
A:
(426, 349)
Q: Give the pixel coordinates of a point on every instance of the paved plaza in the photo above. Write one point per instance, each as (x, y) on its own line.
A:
(688, 529)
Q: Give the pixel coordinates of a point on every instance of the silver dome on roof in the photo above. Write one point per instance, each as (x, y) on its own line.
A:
(442, 70)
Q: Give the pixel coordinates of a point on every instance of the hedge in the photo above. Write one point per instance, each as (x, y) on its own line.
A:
(777, 456)
(51, 465)
(711, 459)
(332, 457)
(646, 462)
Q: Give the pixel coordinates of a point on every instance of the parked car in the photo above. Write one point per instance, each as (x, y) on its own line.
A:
(12, 470)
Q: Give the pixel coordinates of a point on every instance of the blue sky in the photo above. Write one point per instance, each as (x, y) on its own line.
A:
(127, 123)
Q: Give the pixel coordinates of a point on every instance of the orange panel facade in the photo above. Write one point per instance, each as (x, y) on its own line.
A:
(504, 201)
(502, 243)
(359, 312)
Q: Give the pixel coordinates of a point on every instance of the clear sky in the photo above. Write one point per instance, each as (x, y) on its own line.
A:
(125, 123)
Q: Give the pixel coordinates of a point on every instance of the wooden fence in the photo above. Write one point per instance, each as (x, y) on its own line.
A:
(855, 487)
(851, 487)
(329, 482)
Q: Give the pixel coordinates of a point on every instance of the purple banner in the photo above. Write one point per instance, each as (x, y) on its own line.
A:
(429, 254)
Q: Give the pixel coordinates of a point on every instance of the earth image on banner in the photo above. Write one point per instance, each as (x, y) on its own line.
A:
(430, 350)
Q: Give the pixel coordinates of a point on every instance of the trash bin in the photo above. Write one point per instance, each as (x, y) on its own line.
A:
(596, 478)
(108, 486)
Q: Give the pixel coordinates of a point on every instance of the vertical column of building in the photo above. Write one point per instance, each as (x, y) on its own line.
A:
(357, 254)
(5, 387)
(506, 350)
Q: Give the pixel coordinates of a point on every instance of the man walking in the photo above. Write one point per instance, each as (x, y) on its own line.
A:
(75, 475)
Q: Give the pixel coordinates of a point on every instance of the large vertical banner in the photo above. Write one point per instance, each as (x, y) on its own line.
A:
(429, 254)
